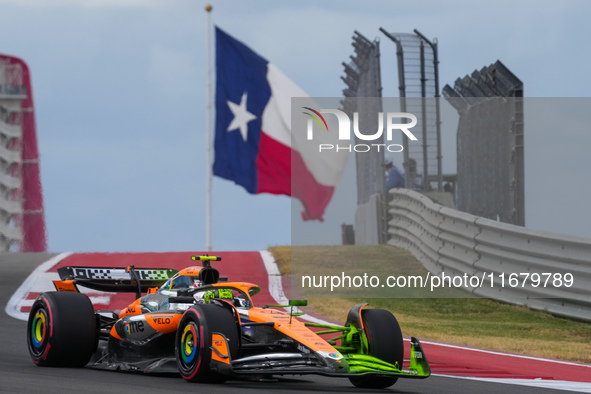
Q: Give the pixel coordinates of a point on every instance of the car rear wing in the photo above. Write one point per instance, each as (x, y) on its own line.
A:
(118, 279)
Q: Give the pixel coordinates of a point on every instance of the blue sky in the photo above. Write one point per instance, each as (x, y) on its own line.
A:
(119, 89)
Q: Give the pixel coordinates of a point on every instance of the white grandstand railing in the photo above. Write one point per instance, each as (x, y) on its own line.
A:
(11, 233)
(457, 243)
(11, 212)
(9, 181)
(10, 130)
(11, 207)
(11, 156)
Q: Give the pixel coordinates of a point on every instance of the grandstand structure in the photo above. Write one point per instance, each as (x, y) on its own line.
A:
(22, 219)
(490, 143)
(418, 79)
(363, 79)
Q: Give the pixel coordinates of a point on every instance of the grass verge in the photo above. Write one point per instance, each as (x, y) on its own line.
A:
(475, 322)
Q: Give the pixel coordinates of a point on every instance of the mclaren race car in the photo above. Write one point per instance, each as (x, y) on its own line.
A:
(197, 324)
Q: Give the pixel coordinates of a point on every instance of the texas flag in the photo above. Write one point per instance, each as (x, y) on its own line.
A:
(253, 141)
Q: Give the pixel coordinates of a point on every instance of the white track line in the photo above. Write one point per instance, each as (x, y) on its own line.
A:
(99, 300)
(14, 304)
(579, 387)
(549, 360)
(40, 281)
(276, 287)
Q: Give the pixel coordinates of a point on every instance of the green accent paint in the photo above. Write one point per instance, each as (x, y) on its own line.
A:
(337, 328)
(38, 327)
(364, 362)
(206, 258)
(418, 361)
(315, 118)
(188, 349)
(354, 348)
(344, 349)
(337, 338)
(327, 332)
(355, 339)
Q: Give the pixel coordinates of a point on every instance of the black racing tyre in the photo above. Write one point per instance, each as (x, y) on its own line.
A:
(385, 342)
(62, 330)
(193, 341)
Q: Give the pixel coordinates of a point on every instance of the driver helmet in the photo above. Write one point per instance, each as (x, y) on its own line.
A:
(241, 302)
(185, 279)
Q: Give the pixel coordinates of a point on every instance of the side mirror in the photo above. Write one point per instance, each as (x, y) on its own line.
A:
(298, 302)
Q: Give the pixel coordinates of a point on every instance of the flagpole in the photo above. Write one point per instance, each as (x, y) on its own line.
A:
(208, 187)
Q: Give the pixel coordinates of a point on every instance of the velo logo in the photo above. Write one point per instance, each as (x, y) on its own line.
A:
(344, 130)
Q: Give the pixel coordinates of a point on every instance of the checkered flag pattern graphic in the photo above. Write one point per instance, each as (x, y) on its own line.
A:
(93, 273)
(100, 274)
(153, 274)
(158, 274)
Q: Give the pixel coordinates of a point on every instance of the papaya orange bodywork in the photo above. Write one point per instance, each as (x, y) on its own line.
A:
(296, 329)
(133, 309)
(190, 271)
(219, 351)
(164, 323)
(65, 285)
(114, 334)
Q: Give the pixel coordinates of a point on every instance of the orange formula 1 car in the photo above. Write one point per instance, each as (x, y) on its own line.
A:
(208, 330)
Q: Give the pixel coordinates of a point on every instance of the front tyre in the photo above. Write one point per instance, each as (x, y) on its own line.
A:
(62, 330)
(194, 340)
(385, 342)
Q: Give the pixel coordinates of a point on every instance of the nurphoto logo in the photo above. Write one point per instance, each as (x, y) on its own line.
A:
(344, 132)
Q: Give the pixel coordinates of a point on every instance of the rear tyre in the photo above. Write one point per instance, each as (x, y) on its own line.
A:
(385, 342)
(62, 330)
(193, 341)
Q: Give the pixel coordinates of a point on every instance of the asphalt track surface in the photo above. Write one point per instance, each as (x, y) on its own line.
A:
(18, 374)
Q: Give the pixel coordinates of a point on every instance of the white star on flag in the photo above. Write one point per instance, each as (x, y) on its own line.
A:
(241, 116)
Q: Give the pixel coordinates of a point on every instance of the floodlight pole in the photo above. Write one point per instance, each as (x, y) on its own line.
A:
(433, 45)
(208, 132)
(408, 180)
